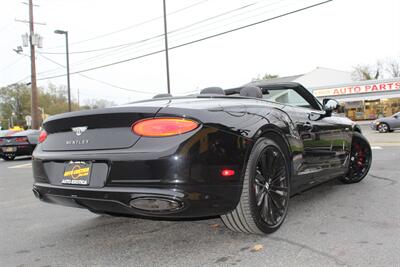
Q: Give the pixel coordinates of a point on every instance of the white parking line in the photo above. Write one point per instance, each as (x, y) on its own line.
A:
(26, 165)
(376, 147)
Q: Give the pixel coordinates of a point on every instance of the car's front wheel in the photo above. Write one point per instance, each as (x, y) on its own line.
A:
(383, 127)
(360, 160)
(265, 195)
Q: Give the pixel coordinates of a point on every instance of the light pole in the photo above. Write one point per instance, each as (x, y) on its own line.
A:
(67, 52)
(12, 119)
(166, 45)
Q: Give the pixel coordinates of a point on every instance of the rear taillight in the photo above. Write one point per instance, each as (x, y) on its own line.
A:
(42, 136)
(21, 139)
(161, 127)
(1, 140)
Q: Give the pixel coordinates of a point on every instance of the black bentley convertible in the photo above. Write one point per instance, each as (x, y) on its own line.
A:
(238, 153)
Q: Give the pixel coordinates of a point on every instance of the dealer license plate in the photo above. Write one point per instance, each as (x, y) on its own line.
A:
(9, 149)
(77, 173)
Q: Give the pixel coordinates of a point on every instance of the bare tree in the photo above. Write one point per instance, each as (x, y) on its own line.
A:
(384, 68)
(393, 68)
(368, 72)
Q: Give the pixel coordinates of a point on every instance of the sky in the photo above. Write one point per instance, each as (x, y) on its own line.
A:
(339, 34)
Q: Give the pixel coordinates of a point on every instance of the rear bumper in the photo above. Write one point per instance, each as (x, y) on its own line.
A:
(186, 168)
(196, 201)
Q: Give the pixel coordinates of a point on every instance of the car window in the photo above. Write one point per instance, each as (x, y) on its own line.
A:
(287, 96)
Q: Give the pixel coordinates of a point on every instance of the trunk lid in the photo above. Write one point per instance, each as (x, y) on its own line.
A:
(108, 128)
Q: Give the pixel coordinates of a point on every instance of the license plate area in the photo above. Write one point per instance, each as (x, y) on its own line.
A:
(9, 149)
(77, 173)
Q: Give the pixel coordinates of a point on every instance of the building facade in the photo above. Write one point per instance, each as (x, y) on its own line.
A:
(360, 100)
(364, 100)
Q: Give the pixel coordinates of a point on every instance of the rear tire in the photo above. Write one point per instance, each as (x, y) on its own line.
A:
(360, 160)
(263, 204)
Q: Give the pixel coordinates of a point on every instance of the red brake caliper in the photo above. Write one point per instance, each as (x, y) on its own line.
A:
(360, 156)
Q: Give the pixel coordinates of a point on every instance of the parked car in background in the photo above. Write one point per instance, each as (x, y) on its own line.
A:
(21, 143)
(387, 124)
(6, 132)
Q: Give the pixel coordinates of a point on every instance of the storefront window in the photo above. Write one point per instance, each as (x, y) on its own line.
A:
(370, 109)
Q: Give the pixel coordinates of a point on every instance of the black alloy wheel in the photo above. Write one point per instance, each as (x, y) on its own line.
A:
(360, 160)
(271, 186)
(266, 189)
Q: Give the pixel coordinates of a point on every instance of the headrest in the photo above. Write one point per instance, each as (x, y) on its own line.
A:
(251, 91)
(213, 90)
(162, 96)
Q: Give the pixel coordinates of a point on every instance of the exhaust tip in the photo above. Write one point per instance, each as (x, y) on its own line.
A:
(156, 204)
(37, 194)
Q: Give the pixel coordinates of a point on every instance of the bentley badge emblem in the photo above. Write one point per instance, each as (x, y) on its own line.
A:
(79, 130)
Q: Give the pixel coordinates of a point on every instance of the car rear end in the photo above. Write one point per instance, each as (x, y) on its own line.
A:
(121, 161)
(18, 144)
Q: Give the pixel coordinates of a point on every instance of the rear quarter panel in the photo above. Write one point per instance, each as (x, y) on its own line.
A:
(248, 119)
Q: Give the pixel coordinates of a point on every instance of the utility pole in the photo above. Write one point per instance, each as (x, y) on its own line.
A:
(34, 94)
(166, 45)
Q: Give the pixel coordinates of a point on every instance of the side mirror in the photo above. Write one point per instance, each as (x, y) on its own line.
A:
(330, 105)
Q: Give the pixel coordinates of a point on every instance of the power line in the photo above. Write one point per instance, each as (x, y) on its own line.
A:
(171, 33)
(96, 58)
(124, 46)
(194, 41)
(11, 64)
(97, 80)
(104, 48)
(116, 86)
(135, 25)
(152, 37)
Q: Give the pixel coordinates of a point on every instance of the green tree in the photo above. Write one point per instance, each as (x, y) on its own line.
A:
(97, 103)
(15, 102)
(16, 99)
(54, 100)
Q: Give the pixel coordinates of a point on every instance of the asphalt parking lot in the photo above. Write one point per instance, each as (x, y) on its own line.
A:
(329, 225)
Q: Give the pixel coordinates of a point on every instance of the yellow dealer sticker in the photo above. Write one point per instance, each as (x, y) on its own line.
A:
(77, 173)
